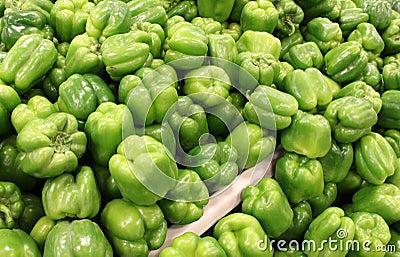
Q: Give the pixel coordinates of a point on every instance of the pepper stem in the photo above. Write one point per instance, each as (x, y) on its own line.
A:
(9, 221)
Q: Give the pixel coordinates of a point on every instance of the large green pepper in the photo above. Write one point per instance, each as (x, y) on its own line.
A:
(209, 25)
(68, 196)
(40, 231)
(331, 224)
(391, 73)
(322, 202)
(395, 178)
(10, 168)
(36, 107)
(270, 108)
(184, 204)
(27, 61)
(142, 164)
(266, 201)
(325, 33)
(259, 42)
(42, 6)
(389, 36)
(107, 186)
(51, 146)
(17, 242)
(350, 18)
(9, 99)
(285, 68)
(237, 10)
(53, 79)
(371, 228)
(259, 15)
(300, 178)
(305, 55)
(345, 62)
(187, 9)
(33, 211)
(147, 11)
(393, 137)
(157, 35)
(372, 74)
(219, 10)
(380, 12)
(233, 29)
(309, 87)
(242, 235)
(106, 128)
(132, 229)
(337, 162)
(302, 217)
(320, 8)
(191, 245)
(389, 116)
(69, 17)
(11, 205)
(290, 16)
(71, 239)
(375, 159)
(252, 143)
(350, 118)
(304, 126)
(382, 199)
(222, 46)
(80, 95)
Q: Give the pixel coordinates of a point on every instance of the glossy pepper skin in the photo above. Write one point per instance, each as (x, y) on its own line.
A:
(10, 166)
(349, 185)
(106, 184)
(393, 138)
(382, 199)
(392, 43)
(305, 55)
(184, 204)
(71, 239)
(42, 6)
(253, 144)
(9, 99)
(259, 42)
(147, 11)
(69, 17)
(270, 108)
(375, 159)
(132, 229)
(27, 61)
(230, 229)
(380, 12)
(58, 192)
(80, 95)
(326, 225)
(11, 204)
(389, 115)
(265, 201)
(53, 79)
(222, 46)
(302, 217)
(289, 41)
(305, 126)
(294, 171)
(17, 243)
(190, 245)
(106, 128)
(260, 15)
(33, 211)
(290, 16)
(186, 9)
(320, 8)
(345, 62)
(322, 202)
(40, 231)
(136, 155)
(157, 35)
(350, 118)
(51, 146)
(325, 33)
(350, 18)
(390, 73)
(209, 25)
(218, 10)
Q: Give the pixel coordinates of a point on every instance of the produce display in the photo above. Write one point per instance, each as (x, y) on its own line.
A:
(122, 118)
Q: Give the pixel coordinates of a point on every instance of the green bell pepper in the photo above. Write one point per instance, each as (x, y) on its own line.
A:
(290, 16)
(253, 144)
(106, 128)
(320, 8)
(137, 166)
(132, 229)
(69, 17)
(324, 201)
(392, 44)
(259, 42)
(237, 10)
(374, 158)
(187, 9)
(301, 178)
(233, 29)
(41, 230)
(53, 79)
(36, 107)
(11, 205)
(107, 186)
(259, 15)
(17, 242)
(51, 146)
(395, 178)
(240, 234)
(391, 73)
(296, 138)
(393, 137)
(372, 75)
(270, 108)
(285, 68)
(380, 12)
(219, 10)
(147, 11)
(68, 196)
(266, 201)
(10, 166)
(337, 162)
(42, 6)
(382, 199)
(71, 239)
(349, 185)
(191, 245)
(157, 36)
(345, 62)
(389, 115)
(184, 204)
(80, 95)
(331, 224)
(209, 25)
(350, 18)
(350, 118)
(28, 60)
(325, 33)
(305, 55)
(393, 242)
(222, 46)
(9, 100)
(302, 217)
(289, 41)
(33, 211)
